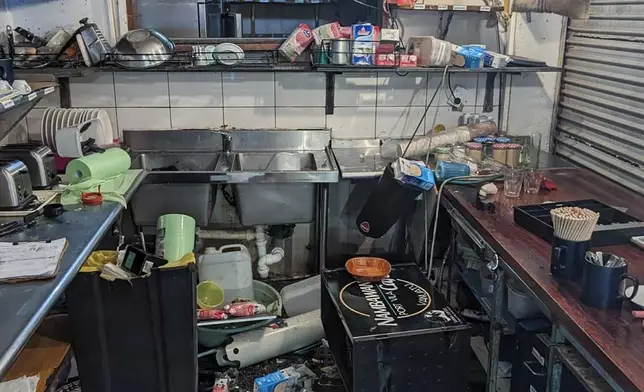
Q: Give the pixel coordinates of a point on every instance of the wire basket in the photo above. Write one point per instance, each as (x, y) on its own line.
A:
(344, 52)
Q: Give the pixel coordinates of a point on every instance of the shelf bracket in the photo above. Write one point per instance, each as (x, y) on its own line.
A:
(488, 102)
(65, 92)
(329, 105)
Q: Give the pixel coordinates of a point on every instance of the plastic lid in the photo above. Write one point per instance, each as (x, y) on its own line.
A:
(474, 146)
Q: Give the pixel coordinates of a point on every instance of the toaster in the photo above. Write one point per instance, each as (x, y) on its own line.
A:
(39, 161)
(15, 185)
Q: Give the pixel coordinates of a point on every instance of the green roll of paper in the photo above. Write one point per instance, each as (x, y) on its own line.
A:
(98, 166)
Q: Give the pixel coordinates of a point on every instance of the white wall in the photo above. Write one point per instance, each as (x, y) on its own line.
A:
(532, 98)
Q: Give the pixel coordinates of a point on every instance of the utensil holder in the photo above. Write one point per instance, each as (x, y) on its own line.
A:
(603, 287)
(567, 258)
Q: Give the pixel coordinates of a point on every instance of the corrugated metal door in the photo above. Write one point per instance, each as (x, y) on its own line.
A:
(601, 118)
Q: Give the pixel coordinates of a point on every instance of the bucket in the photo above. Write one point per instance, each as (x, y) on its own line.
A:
(520, 305)
(175, 236)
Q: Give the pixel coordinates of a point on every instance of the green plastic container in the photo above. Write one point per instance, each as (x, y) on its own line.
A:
(175, 236)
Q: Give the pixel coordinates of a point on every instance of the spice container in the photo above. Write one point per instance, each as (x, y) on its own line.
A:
(443, 154)
(499, 152)
(475, 151)
(512, 154)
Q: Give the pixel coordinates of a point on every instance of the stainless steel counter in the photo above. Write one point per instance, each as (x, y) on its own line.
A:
(24, 305)
(359, 158)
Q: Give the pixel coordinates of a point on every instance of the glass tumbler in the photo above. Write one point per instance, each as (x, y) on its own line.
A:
(512, 183)
(532, 181)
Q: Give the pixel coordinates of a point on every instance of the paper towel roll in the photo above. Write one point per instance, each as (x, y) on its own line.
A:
(99, 166)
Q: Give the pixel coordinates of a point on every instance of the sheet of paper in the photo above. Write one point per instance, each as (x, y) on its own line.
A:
(22, 384)
(30, 259)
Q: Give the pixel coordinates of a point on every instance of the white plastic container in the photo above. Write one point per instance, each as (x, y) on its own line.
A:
(301, 297)
(231, 268)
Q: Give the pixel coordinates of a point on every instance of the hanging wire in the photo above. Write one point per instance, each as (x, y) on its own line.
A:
(365, 4)
(422, 120)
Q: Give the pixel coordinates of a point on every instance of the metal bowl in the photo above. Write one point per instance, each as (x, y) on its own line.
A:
(142, 48)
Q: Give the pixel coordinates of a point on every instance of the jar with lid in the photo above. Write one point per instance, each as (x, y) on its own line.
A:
(459, 151)
(475, 151)
(443, 154)
(499, 152)
(512, 155)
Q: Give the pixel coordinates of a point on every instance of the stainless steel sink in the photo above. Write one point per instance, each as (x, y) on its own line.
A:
(200, 162)
(274, 172)
(274, 162)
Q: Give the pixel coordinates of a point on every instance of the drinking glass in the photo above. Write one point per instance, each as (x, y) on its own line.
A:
(532, 181)
(512, 183)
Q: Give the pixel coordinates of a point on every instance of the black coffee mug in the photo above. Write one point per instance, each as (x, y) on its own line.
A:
(603, 287)
(6, 70)
(567, 258)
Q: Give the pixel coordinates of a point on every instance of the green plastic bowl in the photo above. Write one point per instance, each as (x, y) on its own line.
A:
(216, 335)
(209, 295)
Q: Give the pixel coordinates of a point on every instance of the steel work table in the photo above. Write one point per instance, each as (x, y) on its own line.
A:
(610, 341)
(24, 305)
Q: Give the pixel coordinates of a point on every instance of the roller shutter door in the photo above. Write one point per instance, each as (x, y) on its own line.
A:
(600, 123)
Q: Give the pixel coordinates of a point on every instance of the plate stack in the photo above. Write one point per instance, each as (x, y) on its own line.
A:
(57, 118)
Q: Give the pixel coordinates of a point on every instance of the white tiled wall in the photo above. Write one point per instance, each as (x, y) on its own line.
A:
(369, 105)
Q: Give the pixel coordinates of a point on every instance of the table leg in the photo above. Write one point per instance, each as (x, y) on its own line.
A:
(496, 329)
(554, 363)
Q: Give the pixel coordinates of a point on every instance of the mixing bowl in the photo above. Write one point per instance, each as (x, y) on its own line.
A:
(142, 48)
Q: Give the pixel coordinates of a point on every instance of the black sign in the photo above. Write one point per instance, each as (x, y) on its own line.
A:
(386, 301)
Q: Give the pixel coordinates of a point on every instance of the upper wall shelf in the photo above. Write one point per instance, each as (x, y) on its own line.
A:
(285, 67)
(281, 2)
(362, 68)
(456, 8)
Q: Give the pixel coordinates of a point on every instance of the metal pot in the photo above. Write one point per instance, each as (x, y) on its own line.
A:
(143, 48)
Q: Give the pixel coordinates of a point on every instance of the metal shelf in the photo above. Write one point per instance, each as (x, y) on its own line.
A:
(472, 280)
(455, 8)
(278, 2)
(58, 72)
(368, 68)
(13, 110)
(16, 102)
(582, 370)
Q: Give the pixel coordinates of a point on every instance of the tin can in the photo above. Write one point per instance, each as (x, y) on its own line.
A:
(211, 314)
(242, 309)
(341, 51)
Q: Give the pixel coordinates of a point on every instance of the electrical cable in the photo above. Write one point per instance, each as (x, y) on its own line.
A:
(438, 205)
(365, 4)
(422, 119)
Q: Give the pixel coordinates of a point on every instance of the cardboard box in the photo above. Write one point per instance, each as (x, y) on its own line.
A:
(364, 44)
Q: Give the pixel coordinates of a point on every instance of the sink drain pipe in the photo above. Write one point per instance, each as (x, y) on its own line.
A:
(264, 260)
(247, 235)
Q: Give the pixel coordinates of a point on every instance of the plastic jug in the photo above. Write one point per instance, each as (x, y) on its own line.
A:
(231, 268)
